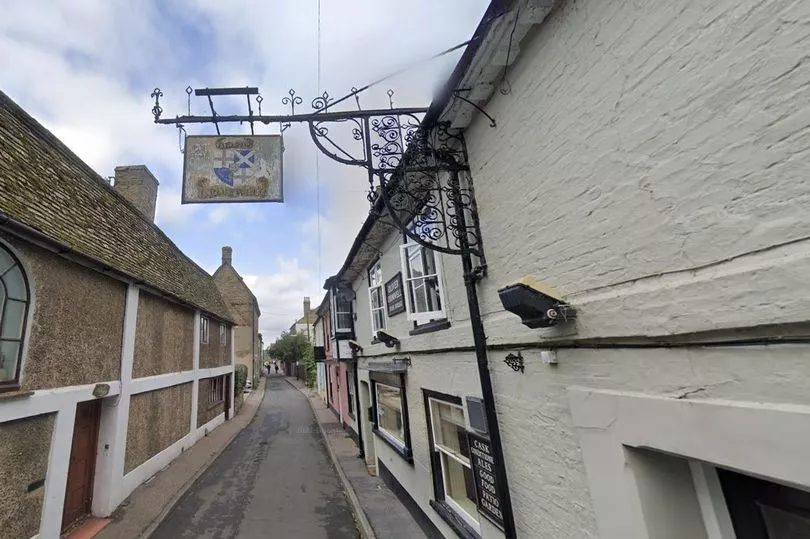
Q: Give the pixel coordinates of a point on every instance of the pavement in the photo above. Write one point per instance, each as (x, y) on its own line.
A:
(275, 480)
(140, 514)
(378, 511)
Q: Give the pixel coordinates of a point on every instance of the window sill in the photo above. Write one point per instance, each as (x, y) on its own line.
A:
(430, 327)
(405, 452)
(454, 521)
(11, 393)
(215, 404)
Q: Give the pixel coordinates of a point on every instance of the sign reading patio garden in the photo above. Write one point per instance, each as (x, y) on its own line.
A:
(232, 169)
(483, 465)
(394, 297)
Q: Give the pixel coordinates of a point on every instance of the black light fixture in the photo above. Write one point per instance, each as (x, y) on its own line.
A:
(355, 348)
(537, 306)
(387, 339)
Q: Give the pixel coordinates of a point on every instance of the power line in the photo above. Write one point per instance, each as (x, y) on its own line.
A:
(317, 155)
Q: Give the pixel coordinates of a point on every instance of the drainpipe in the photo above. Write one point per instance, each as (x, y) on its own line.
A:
(480, 340)
(357, 415)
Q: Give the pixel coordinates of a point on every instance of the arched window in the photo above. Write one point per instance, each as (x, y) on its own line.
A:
(14, 300)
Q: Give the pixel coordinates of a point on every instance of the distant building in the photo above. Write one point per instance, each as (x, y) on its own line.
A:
(115, 348)
(245, 309)
(304, 325)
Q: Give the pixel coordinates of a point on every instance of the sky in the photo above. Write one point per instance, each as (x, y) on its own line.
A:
(85, 70)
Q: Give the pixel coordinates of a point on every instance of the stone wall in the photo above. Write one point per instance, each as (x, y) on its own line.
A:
(164, 337)
(157, 419)
(61, 350)
(24, 450)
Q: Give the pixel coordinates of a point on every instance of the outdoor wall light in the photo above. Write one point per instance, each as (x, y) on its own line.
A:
(387, 339)
(536, 305)
(356, 348)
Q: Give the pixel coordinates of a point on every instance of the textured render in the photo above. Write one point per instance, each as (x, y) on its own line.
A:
(214, 354)
(205, 411)
(24, 449)
(62, 351)
(164, 337)
(157, 419)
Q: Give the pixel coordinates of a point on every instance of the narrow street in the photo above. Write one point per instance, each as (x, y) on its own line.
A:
(274, 480)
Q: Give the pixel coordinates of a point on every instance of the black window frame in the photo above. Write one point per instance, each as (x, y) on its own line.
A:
(438, 503)
(14, 384)
(396, 380)
(205, 330)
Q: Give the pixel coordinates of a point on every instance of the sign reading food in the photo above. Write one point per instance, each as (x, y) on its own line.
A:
(233, 168)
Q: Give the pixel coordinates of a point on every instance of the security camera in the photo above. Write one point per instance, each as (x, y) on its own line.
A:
(387, 339)
(536, 305)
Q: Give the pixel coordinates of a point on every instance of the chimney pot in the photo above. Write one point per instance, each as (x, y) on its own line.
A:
(306, 306)
(227, 255)
(138, 185)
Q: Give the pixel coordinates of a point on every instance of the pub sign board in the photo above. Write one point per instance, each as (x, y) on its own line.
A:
(482, 459)
(394, 296)
(232, 168)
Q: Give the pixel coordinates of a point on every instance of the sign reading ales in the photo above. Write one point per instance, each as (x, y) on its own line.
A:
(483, 465)
(232, 169)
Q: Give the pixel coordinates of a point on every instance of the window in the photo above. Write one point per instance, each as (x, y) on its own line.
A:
(421, 270)
(216, 392)
(350, 389)
(223, 337)
(203, 330)
(14, 301)
(376, 299)
(343, 313)
(454, 483)
(390, 412)
(760, 509)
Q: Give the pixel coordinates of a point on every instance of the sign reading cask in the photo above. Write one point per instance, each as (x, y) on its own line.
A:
(483, 465)
(394, 297)
(232, 169)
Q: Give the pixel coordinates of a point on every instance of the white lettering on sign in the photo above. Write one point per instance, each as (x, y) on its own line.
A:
(483, 464)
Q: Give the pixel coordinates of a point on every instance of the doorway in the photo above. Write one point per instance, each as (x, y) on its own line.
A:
(82, 466)
(365, 417)
(227, 390)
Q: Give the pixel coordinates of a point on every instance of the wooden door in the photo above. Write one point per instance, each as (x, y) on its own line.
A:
(79, 492)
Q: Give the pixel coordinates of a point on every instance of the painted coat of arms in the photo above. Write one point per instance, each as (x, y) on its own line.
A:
(233, 169)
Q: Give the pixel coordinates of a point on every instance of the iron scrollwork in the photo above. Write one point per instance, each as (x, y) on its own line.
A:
(515, 361)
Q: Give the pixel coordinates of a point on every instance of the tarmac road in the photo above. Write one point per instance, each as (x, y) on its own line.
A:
(275, 480)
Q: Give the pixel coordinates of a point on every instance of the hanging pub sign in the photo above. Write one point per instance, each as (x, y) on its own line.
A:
(394, 298)
(482, 459)
(232, 168)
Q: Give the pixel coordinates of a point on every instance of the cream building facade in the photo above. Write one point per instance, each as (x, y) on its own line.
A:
(648, 164)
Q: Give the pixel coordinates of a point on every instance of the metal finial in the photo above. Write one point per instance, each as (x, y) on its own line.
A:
(390, 97)
(292, 101)
(259, 100)
(157, 110)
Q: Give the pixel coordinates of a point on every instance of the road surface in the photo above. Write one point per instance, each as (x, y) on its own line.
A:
(275, 480)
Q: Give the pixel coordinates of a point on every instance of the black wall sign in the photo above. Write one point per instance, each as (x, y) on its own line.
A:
(483, 465)
(394, 298)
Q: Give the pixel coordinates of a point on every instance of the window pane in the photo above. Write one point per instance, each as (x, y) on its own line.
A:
(419, 296)
(344, 320)
(12, 320)
(15, 285)
(449, 428)
(376, 298)
(459, 485)
(5, 261)
(9, 353)
(389, 411)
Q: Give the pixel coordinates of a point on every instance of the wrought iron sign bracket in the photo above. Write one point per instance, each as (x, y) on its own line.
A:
(418, 174)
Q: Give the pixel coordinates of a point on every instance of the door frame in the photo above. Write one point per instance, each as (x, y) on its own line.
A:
(92, 458)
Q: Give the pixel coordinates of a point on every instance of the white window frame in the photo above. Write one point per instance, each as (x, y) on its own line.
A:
(425, 317)
(337, 313)
(223, 336)
(389, 436)
(371, 290)
(204, 330)
(434, 423)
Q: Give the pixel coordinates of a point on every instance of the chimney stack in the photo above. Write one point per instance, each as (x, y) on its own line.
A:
(139, 186)
(227, 255)
(306, 307)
